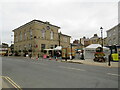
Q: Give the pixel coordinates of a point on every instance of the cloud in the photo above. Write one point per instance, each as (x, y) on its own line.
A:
(76, 18)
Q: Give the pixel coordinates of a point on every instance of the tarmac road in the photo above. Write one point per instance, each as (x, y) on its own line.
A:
(28, 73)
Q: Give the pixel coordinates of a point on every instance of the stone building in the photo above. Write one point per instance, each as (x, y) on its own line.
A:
(113, 39)
(77, 45)
(95, 39)
(35, 36)
(113, 35)
(85, 41)
(4, 49)
(105, 41)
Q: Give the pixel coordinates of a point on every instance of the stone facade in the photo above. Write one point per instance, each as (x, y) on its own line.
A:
(113, 36)
(105, 41)
(77, 45)
(37, 35)
(93, 40)
(85, 41)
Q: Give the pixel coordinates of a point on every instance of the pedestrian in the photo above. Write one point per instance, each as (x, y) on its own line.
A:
(70, 57)
(38, 55)
(57, 55)
(27, 55)
(30, 56)
(82, 55)
(50, 56)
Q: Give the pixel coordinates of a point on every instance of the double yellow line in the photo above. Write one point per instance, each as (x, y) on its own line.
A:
(12, 82)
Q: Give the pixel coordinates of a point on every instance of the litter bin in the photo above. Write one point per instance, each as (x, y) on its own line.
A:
(115, 57)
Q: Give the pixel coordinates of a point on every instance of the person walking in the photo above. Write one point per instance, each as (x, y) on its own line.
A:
(30, 56)
(82, 55)
(57, 55)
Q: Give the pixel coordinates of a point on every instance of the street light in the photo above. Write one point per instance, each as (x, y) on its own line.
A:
(101, 35)
(71, 52)
(59, 38)
(110, 56)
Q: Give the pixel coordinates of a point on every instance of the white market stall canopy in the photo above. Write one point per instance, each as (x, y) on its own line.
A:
(95, 46)
(91, 49)
(48, 49)
(58, 48)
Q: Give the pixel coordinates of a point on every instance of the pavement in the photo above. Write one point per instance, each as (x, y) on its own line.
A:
(91, 62)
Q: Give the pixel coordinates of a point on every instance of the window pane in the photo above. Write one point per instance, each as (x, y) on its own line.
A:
(51, 35)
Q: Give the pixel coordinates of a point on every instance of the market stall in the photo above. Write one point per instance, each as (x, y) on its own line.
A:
(90, 50)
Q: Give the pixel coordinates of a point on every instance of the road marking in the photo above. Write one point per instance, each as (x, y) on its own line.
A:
(39, 63)
(33, 62)
(113, 74)
(72, 68)
(12, 82)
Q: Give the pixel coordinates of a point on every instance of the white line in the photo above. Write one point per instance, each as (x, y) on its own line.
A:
(33, 62)
(38, 63)
(71, 68)
(113, 74)
(12, 82)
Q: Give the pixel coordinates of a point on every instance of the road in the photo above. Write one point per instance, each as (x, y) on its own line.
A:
(28, 73)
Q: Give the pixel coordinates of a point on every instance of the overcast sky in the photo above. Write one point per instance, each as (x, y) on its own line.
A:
(76, 18)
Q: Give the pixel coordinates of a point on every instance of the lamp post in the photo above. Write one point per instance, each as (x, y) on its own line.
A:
(59, 38)
(71, 52)
(101, 35)
(66, 55)
(11, 44)
(109, 56)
